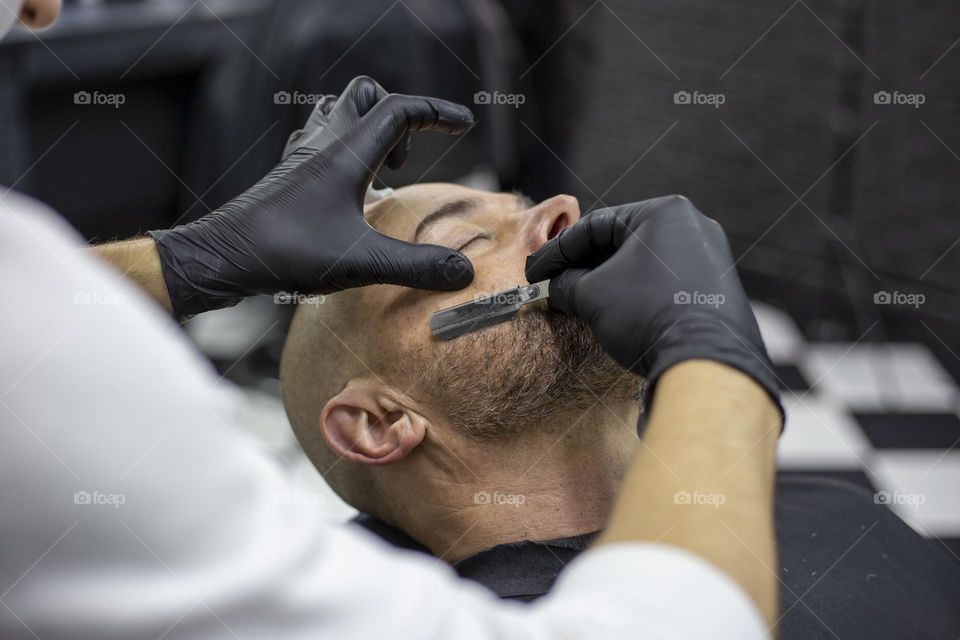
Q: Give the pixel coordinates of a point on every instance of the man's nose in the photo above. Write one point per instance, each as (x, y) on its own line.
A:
(549, 218)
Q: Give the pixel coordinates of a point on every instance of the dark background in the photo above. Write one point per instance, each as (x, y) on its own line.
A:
(827, 197)
(879, 208)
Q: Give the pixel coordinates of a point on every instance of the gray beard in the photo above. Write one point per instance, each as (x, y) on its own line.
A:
(506, 378)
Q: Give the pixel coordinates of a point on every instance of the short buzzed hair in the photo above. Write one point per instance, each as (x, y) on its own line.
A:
(320, 356)
(322, 353)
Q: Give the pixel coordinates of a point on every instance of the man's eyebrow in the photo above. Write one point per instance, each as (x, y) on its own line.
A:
(459, 207)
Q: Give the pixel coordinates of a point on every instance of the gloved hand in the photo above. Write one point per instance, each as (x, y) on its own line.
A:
(656, 284)
(301, 228)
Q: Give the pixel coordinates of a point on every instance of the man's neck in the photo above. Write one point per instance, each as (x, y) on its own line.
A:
(547, 484)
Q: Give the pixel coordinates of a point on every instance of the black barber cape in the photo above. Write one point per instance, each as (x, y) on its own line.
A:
(849, 568)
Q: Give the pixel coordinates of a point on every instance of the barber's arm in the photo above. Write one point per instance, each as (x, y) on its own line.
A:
(138, 260)
(704, 479)
(301, 228)
(656, 283)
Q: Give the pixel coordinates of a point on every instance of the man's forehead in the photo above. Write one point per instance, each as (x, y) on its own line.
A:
(408, 206)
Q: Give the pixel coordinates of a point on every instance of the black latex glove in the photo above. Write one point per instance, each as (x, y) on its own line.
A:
(656, 284)
(301, 228)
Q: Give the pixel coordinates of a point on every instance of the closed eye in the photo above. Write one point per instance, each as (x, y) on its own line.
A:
(479, 236)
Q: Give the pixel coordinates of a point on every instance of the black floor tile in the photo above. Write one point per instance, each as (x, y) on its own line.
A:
(858, 478)
(910, 430)
(790, 378)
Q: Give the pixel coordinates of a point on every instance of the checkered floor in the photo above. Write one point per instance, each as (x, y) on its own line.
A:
(885, 416)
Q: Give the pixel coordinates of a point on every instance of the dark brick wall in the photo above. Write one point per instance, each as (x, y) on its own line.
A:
(798, 99)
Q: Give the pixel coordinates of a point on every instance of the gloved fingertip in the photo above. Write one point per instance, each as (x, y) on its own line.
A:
(452, 117)
(464, 113)
(558, 297)
(418, 266)
(531, 267)
(454, 272)
(563, 290)
(544, 262)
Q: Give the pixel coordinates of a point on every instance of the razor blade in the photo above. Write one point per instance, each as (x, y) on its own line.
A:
(487, 311)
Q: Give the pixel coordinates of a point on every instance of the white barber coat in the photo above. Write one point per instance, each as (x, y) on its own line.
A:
(131, 508)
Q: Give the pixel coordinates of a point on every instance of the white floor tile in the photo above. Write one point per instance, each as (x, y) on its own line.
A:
(820, 435)
(870, 377)
(923, 488)
(780, 333)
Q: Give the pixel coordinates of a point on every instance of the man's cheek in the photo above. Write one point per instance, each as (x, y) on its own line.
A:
(499, 271)
(494, 272)
(486, 281)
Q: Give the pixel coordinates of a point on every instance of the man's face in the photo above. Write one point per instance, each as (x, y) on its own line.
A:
(496, 231)
(500, 377)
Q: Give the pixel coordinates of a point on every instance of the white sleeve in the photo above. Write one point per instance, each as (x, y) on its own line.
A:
(130, 508)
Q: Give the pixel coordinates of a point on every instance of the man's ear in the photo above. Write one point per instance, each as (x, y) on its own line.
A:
(364, 424)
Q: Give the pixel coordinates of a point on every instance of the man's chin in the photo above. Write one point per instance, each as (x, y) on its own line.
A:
(523, 373)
